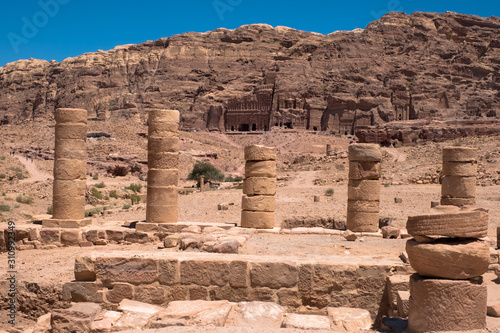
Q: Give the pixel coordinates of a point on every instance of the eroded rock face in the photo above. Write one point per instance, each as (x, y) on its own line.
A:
(403, 66)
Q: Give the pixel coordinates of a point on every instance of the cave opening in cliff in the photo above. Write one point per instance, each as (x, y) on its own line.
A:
(244, 128)
(254, 127)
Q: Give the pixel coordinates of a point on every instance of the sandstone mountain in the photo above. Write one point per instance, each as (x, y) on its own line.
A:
(421, 66)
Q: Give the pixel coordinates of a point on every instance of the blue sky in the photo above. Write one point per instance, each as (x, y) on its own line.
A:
(57, 29)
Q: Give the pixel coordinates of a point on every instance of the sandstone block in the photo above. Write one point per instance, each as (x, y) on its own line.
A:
(274, 275)
(164, 144)
(446, 305)
(458, 201)
(306, 322)
(68, 208)
(362, 222)
(161, 177)
(403, 300)
(84, 268)
(71, 131)
(50, 236)
(115, 235)
(162, 129)
(460, 169)
(163, 116)
(70, 149)
(71, 188)
(169, 272)
(259, 203)
(67, 115)
(394, 284)
(162, 214)
(365, 152)
(199, 313)
(494, 310)
(150, 294)
(256, 315)
(163, 195)
(259, 186)
(468, 223)
(145, 309)
(459, 154)
(458, 187)
(131, 270)
(119, 292)
(363, 206)
(204, 273)
(65, 169)
(449, 258)
(71, 237)
(258, 220)
(163, 160)
(239, 274)
(366, 190)
(78, 318)
(260, 153)
(349, 319)
(260, 169)
(171, 241)
(82, 291)
(364, 170)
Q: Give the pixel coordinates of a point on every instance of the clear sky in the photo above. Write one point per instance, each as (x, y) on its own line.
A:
(57, 29)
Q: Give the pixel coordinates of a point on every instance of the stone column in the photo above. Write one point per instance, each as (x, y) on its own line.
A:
(70, 170)
(448, 292)
(364, 187)
(459, 181)
(163, 162)
(329, 150)
(202, 183)
(259, 188)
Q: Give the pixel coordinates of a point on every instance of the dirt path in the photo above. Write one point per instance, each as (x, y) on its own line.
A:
(36, 175)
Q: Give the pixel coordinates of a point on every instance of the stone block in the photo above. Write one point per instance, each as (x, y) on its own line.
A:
(115, 235)
(465, 223)
(458, 187)
(171, 241)
(70, 149)
(259, 186)
(198, 293)
(363, 206)
(460, 169)
(145, 309)
(260, 153)
(150, 294)
(50, 236)
(163, 177)
(71, 237)
(204, 273)
(446, 305)
(459, 154)
(118, 292)
(164, 144)
(239, 276)
(349, 319)
(131, 270)
(364, 170)
(162, 214)
(146, 227)
(82, 291)
(163, 195)
(85, 268)
(449, 258)
(77, 318)
(197, 313)
(403, 301)
(274, 275)
(365, 152)
(68, 208)
(68, 115)
(306, 322)
(138, 237)
(169, 272)
(71, 188)
(394, 284)
(257, 315)
(258, 220)
(362, 222)
(365, 190)
(260, 169)
(258, 203)
(163, 116)
(163, 160)
(71, 131)
(458, 201)
(289, 297)
(494, 310)
(391, 232)
(162, 129)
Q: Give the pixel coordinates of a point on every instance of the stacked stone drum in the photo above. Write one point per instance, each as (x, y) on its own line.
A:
(364, 187)
(163, 163)
(259, 188)
(459, 181)
(448, 293)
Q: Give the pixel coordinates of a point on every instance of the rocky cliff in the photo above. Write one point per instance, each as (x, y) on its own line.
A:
(423, 65)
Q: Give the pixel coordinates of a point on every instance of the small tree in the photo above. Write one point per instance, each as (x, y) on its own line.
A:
(207, 170)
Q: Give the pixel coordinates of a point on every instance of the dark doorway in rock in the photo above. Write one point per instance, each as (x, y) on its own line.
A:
(254, 127)
(244, 128)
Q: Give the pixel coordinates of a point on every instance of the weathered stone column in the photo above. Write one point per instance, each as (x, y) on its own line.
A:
(459, 181)
(163, 163)
(259, 188)
(70, 170)
(364, 187)
(448, 292)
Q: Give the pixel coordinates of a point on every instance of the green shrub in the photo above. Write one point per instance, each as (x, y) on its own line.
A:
(231, 179)
(93, 212)
(3, 194)
(239, 187)
(135, 199)
(329, 192)
(134, 187)
(25, 199)
(141, 178)
(49, 210)
(100, 185)
(126, 206)
(96, 193)
(2, 176)
(113, 194)
(95, 176)
(207, 170)
(2, 158)
(15, 169)
(20, 175)
(4, 208)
